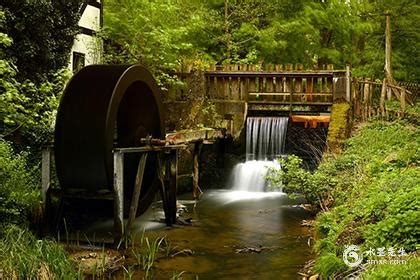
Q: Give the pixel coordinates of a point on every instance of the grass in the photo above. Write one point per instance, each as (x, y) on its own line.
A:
(148, 251)
(25, 257)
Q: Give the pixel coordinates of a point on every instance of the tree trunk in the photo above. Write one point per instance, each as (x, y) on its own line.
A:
(388, 68)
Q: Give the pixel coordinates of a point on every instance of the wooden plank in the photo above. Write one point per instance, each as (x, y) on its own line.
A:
(45, 172)
(252, 86)
(227, 101)
(298, 85)
(235, 87)
(309, 88)
(288, 93)
(119, 197)
(150, 149)
(221, 88)
(254, 73)
(136, 192)
(287, 102)
(287, 86)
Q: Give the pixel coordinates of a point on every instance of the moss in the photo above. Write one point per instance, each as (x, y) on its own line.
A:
(338, 129)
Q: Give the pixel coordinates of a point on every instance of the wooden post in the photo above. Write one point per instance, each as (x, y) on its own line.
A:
(348, 96)
(402, 102)
(162, 175)
(196, 174)
(118, 197)
(136, 192)
(356, 97)
(382, 100)
(46, 172)
(366, 88)
(172, 185)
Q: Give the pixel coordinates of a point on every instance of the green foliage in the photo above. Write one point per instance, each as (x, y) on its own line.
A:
(407, 271)
(154, 34)
(22, 256)
(372, 192)
(25, 106)
(399, 226)
(42, 32)
(18, 186)
(292, 177)
(329, 264)
(313, 33)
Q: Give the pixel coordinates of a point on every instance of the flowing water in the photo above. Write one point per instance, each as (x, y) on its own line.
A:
(265, 137)
(245, 232)
(251, 175)
(242, 231)
(265, 141)
(237, 235)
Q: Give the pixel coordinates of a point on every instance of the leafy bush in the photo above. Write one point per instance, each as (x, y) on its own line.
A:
(19, 191)
(22, 256)
(292, 177)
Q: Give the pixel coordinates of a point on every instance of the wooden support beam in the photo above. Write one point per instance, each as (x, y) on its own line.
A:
(136, 193)
(196, 173)
(173, 184)
(169, 185)
(161, 168)
(118, 197)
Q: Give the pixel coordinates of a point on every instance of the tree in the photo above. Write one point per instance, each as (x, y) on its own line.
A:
(26, 108)
(310, 32)
(42, 32)
(154, 34)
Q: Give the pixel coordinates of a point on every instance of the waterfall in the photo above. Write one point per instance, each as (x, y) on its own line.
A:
(265, 141)
(265, 137)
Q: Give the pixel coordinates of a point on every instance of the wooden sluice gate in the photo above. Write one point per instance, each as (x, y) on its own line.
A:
(311, 121)
(110, 145)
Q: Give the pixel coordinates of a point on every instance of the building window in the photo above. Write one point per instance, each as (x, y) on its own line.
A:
(78, 61)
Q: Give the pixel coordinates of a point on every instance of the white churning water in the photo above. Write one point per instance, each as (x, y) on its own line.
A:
(265, 141)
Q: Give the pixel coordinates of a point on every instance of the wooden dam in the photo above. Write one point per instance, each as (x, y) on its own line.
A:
(238, 91)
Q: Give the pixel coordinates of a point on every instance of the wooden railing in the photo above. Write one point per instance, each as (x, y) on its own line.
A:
(271, 87)
(369, 97)
(273, 84)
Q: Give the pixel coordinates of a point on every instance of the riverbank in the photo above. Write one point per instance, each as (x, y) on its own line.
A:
(368, 198)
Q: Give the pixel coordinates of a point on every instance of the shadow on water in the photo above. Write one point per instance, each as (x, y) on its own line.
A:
(238, 235)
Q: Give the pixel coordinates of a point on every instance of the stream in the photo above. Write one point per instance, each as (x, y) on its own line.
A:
(234, 235)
